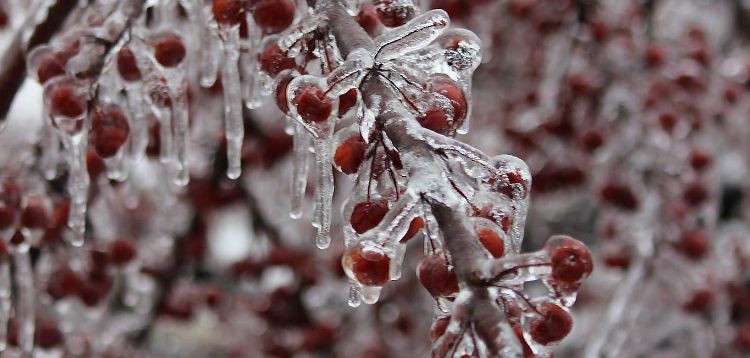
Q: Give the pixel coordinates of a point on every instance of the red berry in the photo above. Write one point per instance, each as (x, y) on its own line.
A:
(553, 326)
(368, 19)
(570, 259)
(347, 101)
(109, 131)
(700, 159)
(617, 259)
(591, 140)
(94, 163)
(491, 241)
(368, 267)
(367, 215)
(66, 102)
(394, 13)
(620, 196)
(34, 214)
(700, 301)
(437, 276)
(274, 60)
(438, 327)
(170, 51)
(654, 55)
(7, 215)
(281, 99)
(4, 19)
(452, 90)
(127, 65)
(63, 284)
(313, 105)
(414, 227)
(695, 193)
(350, 154)
(435, 120)
(742, 337)
(694, 244)
(50, 66)
(122, 251)
(47, 335)
(229, 12)
(273, 16)
(667, 121)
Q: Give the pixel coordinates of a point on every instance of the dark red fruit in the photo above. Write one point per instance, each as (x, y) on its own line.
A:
(313, 105)
(368, 19)
(273, 16)
(392, 13)
(619, 195)
(437, 276)
(47, 335)
(695, 193)
(368, 268)
(438, 327)
(66, 102)
(347, 101)
(274, 60)
(435, 120)
(34, 214)
(654, 56)
(170, 51)
(492, 242)
(367, 215)
(122, 251)
(109, 131)
(350, 153)
(94, 163)
(452, 90)
(50, 66)
(700, 302)
(700, 159)
(229, 12)
(553, 326)
(7, 215)
(414, 227)
(127, 65)
(570, 259)
(694, 244)
(281, 99)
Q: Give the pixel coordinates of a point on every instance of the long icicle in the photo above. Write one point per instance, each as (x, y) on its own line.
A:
(323, 189)
(5, 301)
(23, 276)
(299, 174)
(230, 77)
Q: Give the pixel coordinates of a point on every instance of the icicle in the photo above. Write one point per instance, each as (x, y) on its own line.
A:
(5, 301)
(299, 176)
(253, 86)
(323, 188)
(23, 277)
(355, 297)
(138, 123)
(50, 151)
(181, 131)
(117, 166)
(164, 115)
(371, 294)
(78, 185)
(230, 77)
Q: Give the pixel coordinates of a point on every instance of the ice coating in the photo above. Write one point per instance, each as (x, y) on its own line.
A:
(412, 176)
